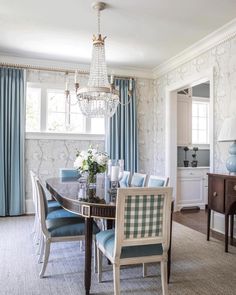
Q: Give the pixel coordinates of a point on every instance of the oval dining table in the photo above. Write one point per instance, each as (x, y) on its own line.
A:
(65, 191)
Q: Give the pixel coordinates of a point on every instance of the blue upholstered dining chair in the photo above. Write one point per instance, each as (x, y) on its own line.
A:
(59, 229)
(157, 181)
(66, 173)
(138, 180)
(52, 205)
(142, 232)
(124, 182)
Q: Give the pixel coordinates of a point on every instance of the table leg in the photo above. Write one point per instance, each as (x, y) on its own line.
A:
(226, 231)
(232, 229)
(208, 223)
(88, 253)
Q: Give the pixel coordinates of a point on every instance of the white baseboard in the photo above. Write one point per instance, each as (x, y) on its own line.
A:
(29, 205)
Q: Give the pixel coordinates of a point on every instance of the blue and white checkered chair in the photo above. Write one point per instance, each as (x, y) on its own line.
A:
(138, 180)
(142, 232)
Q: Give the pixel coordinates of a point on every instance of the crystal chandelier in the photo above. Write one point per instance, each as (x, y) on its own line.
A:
(99, 98)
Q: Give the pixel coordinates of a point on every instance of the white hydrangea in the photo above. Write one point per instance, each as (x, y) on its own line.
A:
(89, 157)
(101, 159)
(78, 162)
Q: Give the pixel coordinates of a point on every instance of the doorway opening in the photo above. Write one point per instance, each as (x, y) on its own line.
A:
(189, 142)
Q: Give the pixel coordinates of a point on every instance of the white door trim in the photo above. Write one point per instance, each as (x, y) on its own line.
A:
(171, 122)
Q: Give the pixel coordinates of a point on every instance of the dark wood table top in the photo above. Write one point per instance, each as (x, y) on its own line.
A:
(65, 191)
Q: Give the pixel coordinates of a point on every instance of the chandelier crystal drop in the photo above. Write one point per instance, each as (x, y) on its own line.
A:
(99, 98)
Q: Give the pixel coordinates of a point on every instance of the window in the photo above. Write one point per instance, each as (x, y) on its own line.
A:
(48, 110)
(200, 122)
(33, 109)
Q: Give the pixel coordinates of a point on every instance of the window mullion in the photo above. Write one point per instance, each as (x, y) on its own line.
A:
(44, 111)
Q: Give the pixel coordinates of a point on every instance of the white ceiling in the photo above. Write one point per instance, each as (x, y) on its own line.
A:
(141, 34)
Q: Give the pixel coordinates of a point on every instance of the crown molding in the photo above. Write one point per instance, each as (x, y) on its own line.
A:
(71, 66)
(223, 34)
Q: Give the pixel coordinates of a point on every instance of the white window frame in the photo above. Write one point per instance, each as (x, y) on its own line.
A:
(206, 100)
(43, 133)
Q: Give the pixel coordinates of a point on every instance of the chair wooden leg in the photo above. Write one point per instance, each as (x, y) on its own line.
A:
(99, 264)
(164, 277)
(116, 279)
(144, 270)
(46, 256)
(42, 249)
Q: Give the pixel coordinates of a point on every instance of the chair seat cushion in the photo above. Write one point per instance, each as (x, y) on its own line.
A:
(53, 204)
(64, 227)
(107, 238)
(61, 213)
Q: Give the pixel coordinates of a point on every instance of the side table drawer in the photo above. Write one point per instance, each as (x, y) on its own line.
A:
(216, 198)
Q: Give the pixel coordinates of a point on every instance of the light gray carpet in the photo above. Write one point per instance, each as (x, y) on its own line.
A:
(199, 267)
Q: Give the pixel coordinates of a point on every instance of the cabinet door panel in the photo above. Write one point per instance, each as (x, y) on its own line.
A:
(230, 196)
(190, 190)
(216, 194)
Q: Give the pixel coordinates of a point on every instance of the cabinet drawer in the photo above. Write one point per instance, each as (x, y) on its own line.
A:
(216, 200)
(190, 173)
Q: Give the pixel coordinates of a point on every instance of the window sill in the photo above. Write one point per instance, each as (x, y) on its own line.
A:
(64, 136)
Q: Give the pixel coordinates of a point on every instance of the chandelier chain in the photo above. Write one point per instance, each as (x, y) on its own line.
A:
(99, 21)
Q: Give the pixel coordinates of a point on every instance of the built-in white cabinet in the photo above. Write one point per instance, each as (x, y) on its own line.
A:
(192, 187)
(184, 120)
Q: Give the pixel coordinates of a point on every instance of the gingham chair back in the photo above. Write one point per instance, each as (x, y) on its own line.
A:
(143, 217)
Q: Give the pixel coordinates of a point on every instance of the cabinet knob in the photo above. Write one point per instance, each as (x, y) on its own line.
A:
(214, 194)
(234, 188)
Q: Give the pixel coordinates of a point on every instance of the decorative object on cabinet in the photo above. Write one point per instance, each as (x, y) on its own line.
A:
(186, 162)
(222, 199)
(194, 155)
(228, 134)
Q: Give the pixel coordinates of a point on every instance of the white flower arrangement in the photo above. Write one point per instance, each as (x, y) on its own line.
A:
(91, 161)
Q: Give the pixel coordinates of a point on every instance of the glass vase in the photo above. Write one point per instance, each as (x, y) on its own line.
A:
(91, 185)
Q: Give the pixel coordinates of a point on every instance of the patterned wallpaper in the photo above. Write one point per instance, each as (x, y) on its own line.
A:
(145, 117)
(223, 59)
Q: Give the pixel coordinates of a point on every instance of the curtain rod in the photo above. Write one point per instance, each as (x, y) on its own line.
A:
(51, 69)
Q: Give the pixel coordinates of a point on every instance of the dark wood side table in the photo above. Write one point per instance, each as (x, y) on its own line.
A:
(222, 199)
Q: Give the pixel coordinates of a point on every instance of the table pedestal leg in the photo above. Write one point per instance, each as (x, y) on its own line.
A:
(88, 253)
